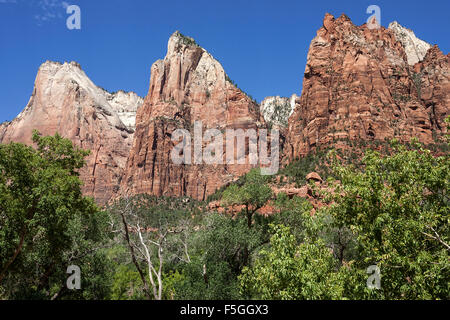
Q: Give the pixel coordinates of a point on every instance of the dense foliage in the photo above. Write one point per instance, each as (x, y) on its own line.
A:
(393, 213)
(399, 211)
(45, 222)
(388, 211)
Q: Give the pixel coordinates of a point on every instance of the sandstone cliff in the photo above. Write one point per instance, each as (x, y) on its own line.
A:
(358, 84)
(65, 100)
(188, 85)
(431, 79)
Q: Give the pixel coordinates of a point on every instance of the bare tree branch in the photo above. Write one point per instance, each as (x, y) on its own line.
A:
(133, 256)
(436, 237)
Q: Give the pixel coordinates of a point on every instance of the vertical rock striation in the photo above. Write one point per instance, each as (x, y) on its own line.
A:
(359, 84)
(431, 79)
(188, 85)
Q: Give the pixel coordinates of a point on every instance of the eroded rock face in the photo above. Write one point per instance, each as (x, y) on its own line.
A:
(415, 48)
(433, 75)
(277, 110)
(358, 85)
(66, 101)
(188, 85)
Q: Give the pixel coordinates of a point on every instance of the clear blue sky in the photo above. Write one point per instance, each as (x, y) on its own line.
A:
(261, 44)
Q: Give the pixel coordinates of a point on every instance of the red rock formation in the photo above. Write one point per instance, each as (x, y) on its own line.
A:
(358, 85)
(64, 100)
(188, 85)
(313, 176)
(268, 209)
(433, 73)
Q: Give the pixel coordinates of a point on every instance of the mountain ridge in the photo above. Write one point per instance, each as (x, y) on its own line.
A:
(358, 84)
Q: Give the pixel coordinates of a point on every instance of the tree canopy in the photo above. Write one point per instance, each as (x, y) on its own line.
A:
(46, 223)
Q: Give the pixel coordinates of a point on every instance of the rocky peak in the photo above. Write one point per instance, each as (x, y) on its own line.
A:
(358, 85)
(66, 101)
(54, 79)
(187, 75)
(178, 41)
(415, 48)
(188, 85)
(277, 110)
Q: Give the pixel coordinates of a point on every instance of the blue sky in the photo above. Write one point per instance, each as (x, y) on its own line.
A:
(261, 44)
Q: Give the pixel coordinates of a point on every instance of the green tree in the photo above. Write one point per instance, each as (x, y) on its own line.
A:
(253, 192)
(393, 212)
(156, 232)
(398, 208)
(45, 222)
(225, 244)
(127, 284)
(287, 271)
(221, 248)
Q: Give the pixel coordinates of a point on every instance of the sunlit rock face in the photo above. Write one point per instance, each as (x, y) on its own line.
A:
(415, 48)
(66, 101)
(125, 104)
(277, 110)
(188, 85)
(359, 85)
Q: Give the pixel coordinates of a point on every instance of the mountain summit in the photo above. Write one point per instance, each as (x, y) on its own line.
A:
(415, 48)
(359, 85)
(66, 101)
(188, 85)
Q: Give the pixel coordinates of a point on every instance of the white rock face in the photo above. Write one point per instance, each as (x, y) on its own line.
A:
(125, 104)
(120, 108)
(415, 48)
(277, 110)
